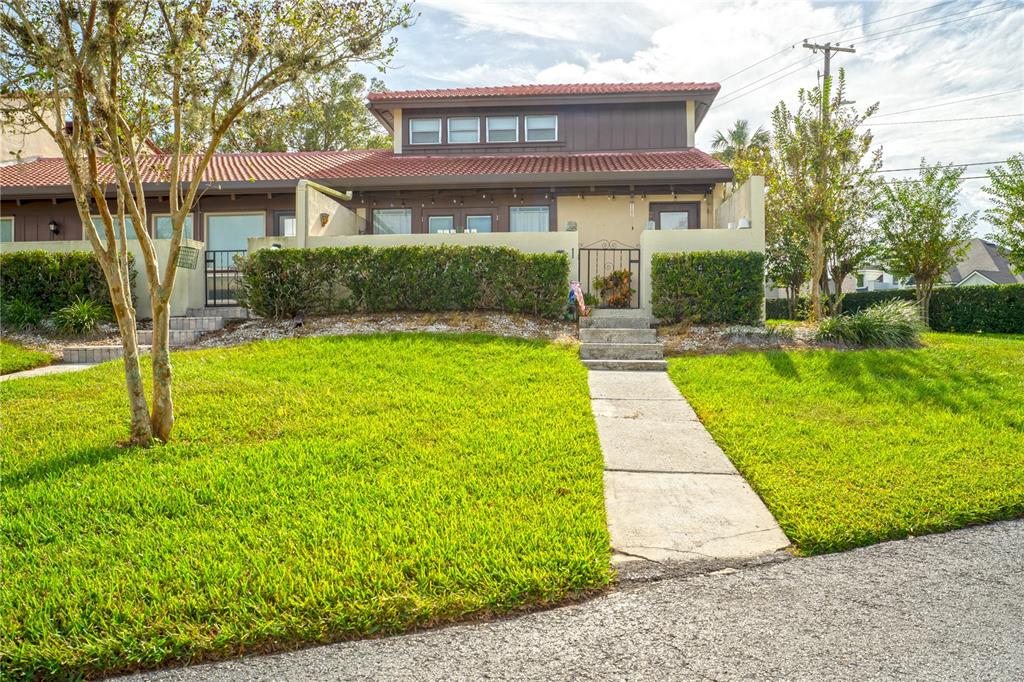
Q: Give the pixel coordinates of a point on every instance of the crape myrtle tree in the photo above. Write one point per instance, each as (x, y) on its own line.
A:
(1006, 188)
(818, 153)
(923, 232)
(102, 78)
(851, 238)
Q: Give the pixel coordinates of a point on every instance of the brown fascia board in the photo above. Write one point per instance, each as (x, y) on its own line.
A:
(384, 117)
(598, 179)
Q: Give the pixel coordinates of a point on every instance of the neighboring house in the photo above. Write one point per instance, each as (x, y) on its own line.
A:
(983, 264)
(607, 173)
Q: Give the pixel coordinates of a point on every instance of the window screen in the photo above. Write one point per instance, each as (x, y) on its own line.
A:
(463, 130)
(541, 128)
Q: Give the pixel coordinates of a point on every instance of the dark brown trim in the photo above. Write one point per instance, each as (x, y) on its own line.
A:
(458, 204)
(656, 208)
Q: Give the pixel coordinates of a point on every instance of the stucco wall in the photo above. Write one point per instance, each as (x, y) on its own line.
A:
(189, 288)
(600, 218)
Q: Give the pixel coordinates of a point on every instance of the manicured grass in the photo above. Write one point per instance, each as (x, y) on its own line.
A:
(316, 489)
(852, 448)
(15, 358)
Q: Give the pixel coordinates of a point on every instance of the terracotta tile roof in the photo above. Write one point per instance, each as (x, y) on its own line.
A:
(543, 90)
(386, 164)
(368, 164)
(247, 167)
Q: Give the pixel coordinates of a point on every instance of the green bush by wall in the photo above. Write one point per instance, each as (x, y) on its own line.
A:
(287, 282)
(995, 309)
(51, 281)
(708, 287)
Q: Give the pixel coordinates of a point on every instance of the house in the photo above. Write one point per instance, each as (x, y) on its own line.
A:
(606, 173)
(983, 264)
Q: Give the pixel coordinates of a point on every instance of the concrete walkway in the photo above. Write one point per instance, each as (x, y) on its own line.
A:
(670, 492)
(43, 371)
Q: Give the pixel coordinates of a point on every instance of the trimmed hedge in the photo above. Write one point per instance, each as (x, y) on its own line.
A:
(708, 287)
(287, 282)
(51, 281)
(997, 309)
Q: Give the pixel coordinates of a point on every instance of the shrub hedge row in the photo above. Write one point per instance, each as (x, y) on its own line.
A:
(995, 309)
(287, 282)
(51, 281)
(708, 287)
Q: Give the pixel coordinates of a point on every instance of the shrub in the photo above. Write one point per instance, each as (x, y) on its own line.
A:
(19, 314)
(80, 317)
(614, 290)
(287, 282)
(890, 324)
(995, 309)
(51, 281)
(708, 287)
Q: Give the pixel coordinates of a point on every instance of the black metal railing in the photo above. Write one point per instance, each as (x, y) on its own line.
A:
(222, 277)
(602, 258)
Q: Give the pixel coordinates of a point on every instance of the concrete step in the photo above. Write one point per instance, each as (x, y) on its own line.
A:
(206, 324)
(627, 365)
(178, 337)
(91, 355)
(599, 335)
(634, 320)
(621, 351)
(227, 312)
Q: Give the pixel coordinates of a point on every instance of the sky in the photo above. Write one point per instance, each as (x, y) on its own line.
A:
(909, 54)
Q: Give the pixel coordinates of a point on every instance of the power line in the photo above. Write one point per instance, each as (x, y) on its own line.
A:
(758, 63)
(909, 28)
(738, 90)
(939, 120)
(952, 165)
(952, 101)
(891, 181)
(805, 62)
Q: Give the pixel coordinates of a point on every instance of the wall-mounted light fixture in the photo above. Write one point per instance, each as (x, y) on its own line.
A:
(324, 218)
(54, 227)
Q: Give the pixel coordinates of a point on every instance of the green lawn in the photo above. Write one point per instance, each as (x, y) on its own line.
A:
(316, 489)
(15, 358)
(852, 448)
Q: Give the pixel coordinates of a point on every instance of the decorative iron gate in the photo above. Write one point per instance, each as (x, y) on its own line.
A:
(222, 277)
(601, 259)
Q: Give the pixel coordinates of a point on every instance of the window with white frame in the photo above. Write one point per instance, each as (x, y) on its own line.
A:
(529, 218)
(478, 223)
(425, 131)
(502, 128)
(542, 128)
(440, 224)
(6, 229)
(163, 228)
(463, 130)
(392, 221)
(284, 224)
(97, 222)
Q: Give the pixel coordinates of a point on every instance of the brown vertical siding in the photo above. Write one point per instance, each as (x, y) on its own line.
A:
(581, 128)
(457, 203)
(32, 218)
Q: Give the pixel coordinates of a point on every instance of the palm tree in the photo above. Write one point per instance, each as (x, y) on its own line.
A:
(734, 144)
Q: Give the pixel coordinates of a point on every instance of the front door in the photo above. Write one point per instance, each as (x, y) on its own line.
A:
(675, 215)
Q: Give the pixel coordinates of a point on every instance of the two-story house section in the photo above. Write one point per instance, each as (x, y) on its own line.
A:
(606, 173)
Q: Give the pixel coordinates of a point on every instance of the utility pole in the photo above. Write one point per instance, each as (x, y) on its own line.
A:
(817, 231)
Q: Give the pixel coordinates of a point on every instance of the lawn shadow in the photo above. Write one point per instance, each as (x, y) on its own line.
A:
(913, 375)
(783, 364)
(54, 467)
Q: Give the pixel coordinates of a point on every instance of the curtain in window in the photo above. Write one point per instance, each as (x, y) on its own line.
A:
(162, 227)
(529, 219)
(392, 221)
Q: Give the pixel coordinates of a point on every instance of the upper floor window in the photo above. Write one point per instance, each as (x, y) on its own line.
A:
(464, 129)
(502, 128)
(425, 131)
(541, 128)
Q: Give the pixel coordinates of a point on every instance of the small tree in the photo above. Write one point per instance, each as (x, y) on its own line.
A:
(786, 263)
(923, 234)
(1006, 187)
(851, 240)
(122, 72)
(818, 152)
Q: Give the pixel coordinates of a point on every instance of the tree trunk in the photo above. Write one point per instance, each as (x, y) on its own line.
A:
(817, 269)
(142, 433)
(924, 299)
(162, 418)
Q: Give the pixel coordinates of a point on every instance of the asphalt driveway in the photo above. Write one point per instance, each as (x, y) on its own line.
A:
(947, 607)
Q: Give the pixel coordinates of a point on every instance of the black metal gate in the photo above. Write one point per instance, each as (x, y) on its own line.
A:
(601, 259)
(222, 277)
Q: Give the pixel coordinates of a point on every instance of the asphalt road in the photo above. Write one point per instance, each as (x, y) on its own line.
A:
(941, 607)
